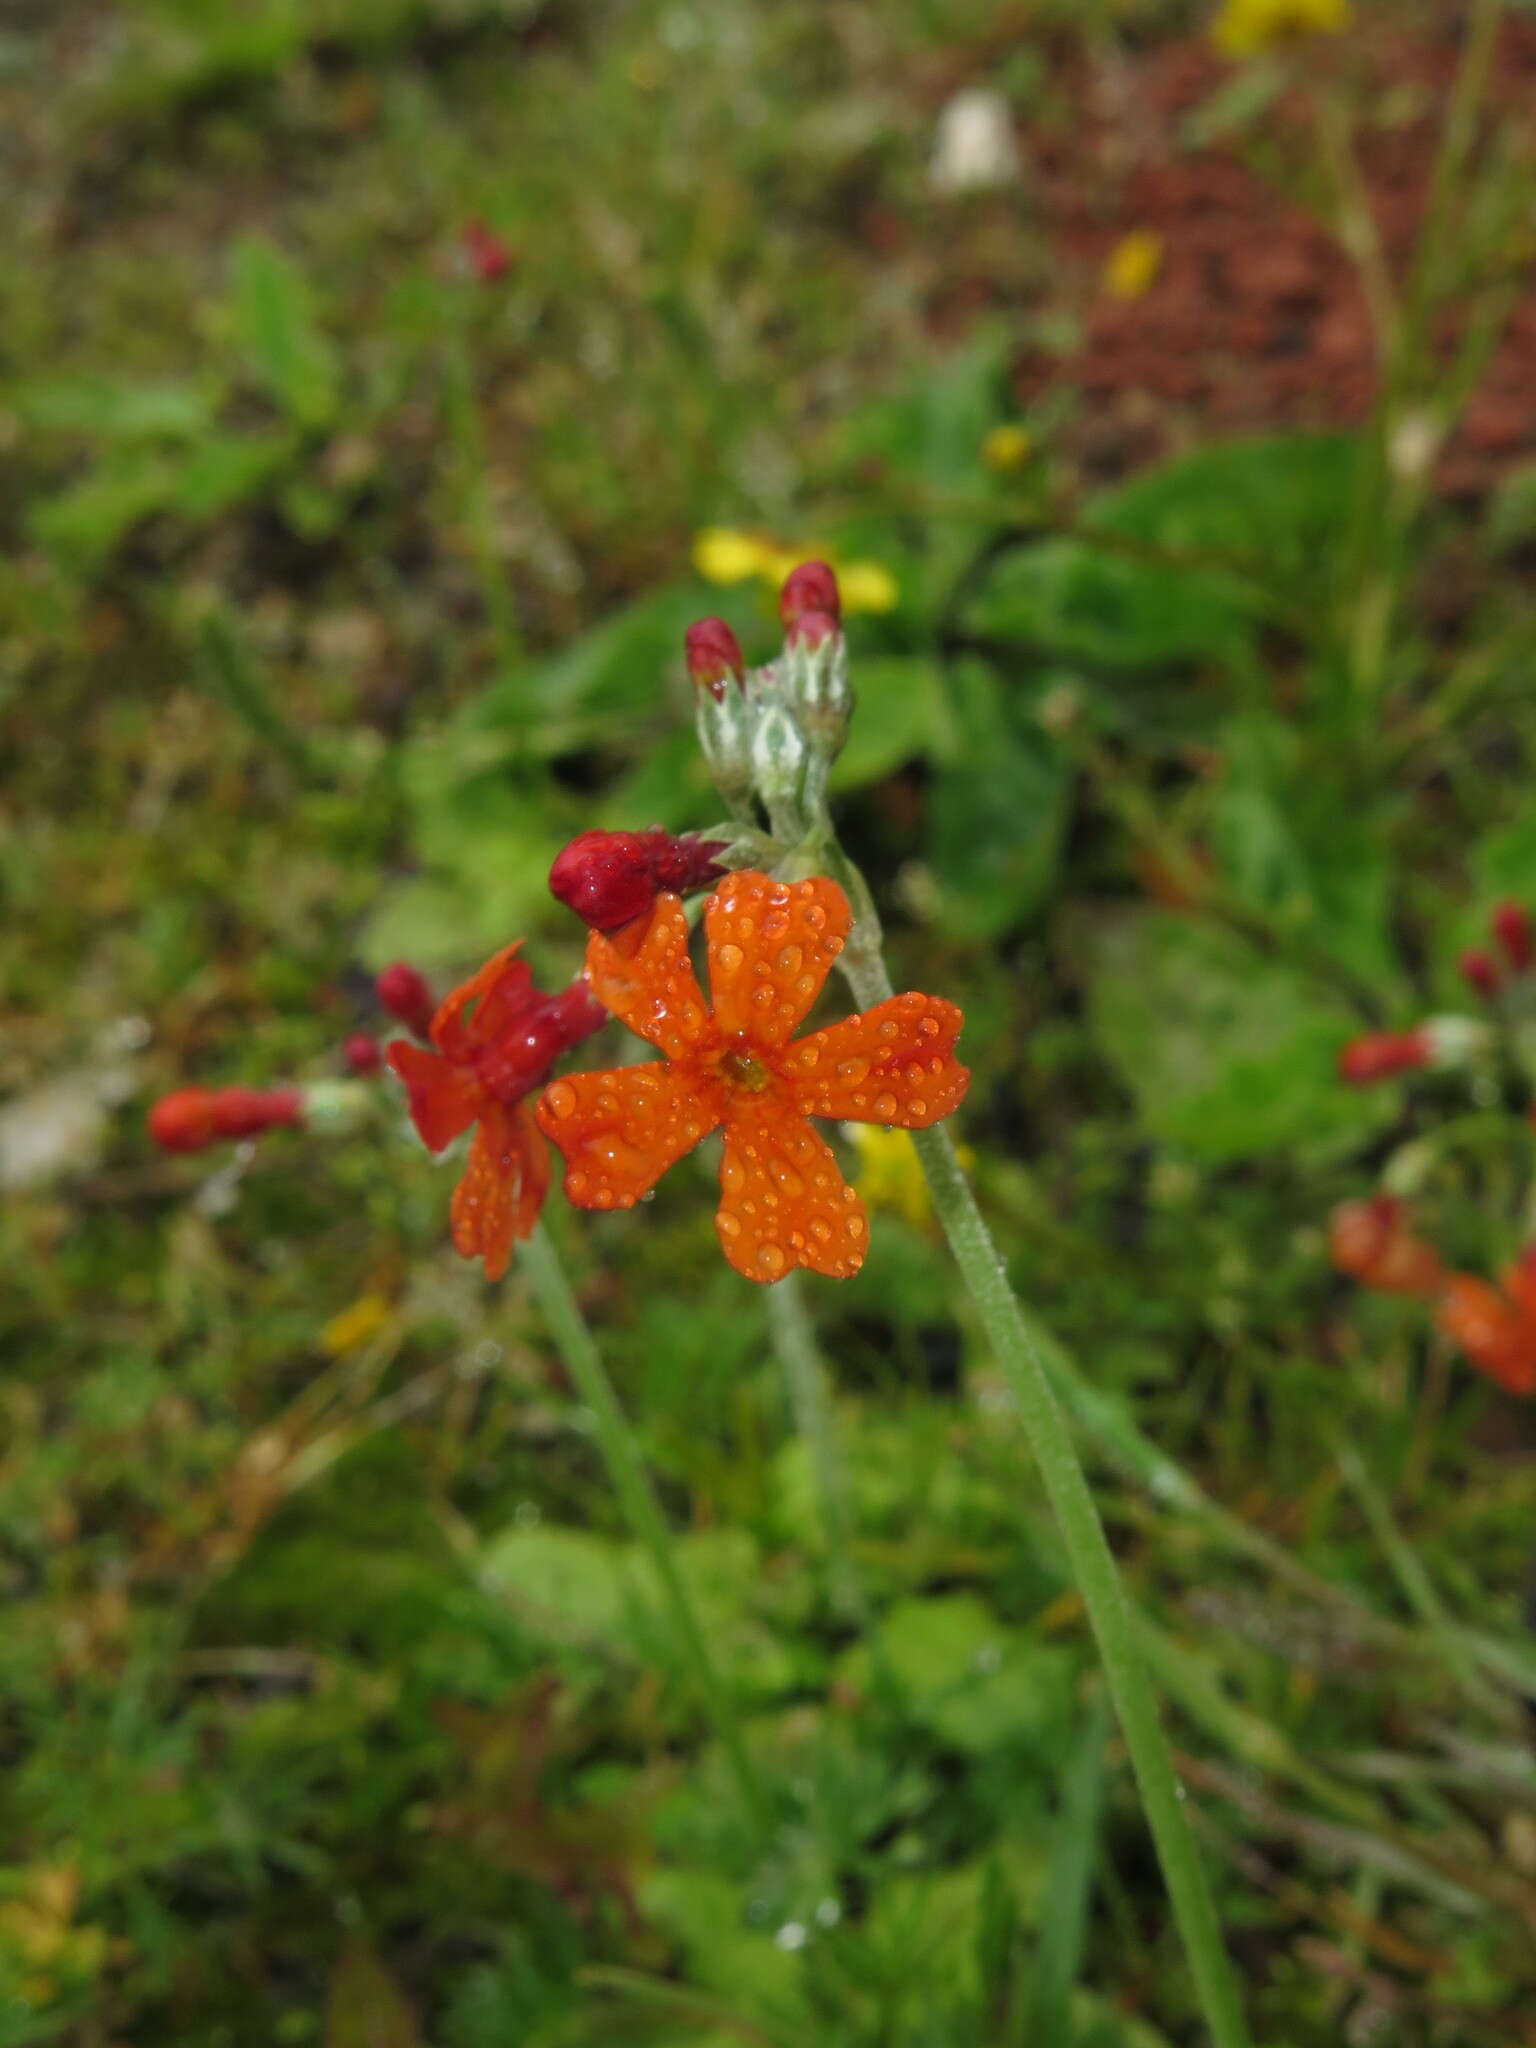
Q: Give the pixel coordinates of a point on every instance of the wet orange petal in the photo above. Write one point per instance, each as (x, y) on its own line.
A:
(620, 1130)
(502, 978)
(894, 1064)
(505, 1181)
(443, 1100)
(771, 947)
(1490, 1331)
(651, 986)
(783, 1199)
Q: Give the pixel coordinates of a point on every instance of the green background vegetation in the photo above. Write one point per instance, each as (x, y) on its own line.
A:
(336, 592)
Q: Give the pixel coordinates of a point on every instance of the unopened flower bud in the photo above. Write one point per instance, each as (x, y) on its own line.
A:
(486, 254)
(363, 1054)
(608, 878)
(1378, 1055)
(191, 1119)
(816, 676)
(1512, 929)
(812, 587)
(407, 995)
(779, 756)
(1480, 972)
(714, 656)
(725, 722)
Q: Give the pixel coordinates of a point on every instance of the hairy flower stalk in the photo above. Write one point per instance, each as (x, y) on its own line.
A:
(790, 721)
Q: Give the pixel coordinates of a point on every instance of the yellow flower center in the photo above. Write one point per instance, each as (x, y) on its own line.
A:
(745, 1070)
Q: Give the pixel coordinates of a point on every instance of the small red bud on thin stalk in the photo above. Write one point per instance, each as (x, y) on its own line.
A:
(487, 255)
(810, 588)
(1479, 970)
(191, 1119)
(364, 1055)
(407, 995)
(1512, 928)
(1378, 1055)
(714, 656)
(610, 878)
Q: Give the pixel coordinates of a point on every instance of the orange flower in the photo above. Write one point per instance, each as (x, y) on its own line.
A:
(771, 945)
(1496, 1326)
(483, 1068)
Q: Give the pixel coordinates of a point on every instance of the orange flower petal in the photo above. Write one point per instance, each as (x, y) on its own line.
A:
(620, 1130)
(771, 947)
(783, 1200)
(894, 1064)
(503, 1188)
(443, 1100)
(503, 982)
(652, 988)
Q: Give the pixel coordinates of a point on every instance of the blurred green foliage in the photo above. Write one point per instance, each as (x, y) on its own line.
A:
(337, 1708)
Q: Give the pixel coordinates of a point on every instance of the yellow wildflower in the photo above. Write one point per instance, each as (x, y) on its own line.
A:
(889, 1176)
(355, 1325)
(1246, 28)
(1132, 265)
(722, 554)
(1007, 447)
(867, 586)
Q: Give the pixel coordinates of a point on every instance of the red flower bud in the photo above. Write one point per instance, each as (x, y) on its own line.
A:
(1377, 1055)
(1512, 929)
(812, 629)
(810, 588)
(362, 1053)
(1480, 971)
(193, 1118)
(714, 656)
(610, 878)
(407, 995)
(487, 255)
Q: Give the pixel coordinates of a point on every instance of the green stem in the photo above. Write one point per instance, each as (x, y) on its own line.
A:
(626, 1468)
(1020, 1354)
(810, 1401)
(468, 436)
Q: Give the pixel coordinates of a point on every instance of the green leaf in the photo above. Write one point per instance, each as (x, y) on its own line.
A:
(275, 327)
(110, 411)
(976, 1682)
(997, 814)
(570, 1581)
(1228, 1053)
(902, 715)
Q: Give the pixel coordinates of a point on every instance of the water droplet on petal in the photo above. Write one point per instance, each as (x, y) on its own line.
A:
(852, 1070)
(771, 1259)
(560, 1099)
(788, 959)
(728, 958)
(730, 1226)
(885, 1107)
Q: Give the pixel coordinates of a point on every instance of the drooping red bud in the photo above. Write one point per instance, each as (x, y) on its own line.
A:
(407, 995)
(1480, 971)
(714, 656)
(363, 1054)
(1512, 929)
(611, 878)
(1377, 1055)
(812, 629)
(193, 1118)
(487, 255)
(810, 588)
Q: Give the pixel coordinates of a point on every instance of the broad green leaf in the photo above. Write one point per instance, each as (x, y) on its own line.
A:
(112, 411)
(1228, 1053)
(276, 329)
(574, 1582)
(996, 813)
(902, 715)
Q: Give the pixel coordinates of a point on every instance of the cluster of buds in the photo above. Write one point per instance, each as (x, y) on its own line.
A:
(1495, 972)
(775, 731)
(1495, 1326)
(1500, 975)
